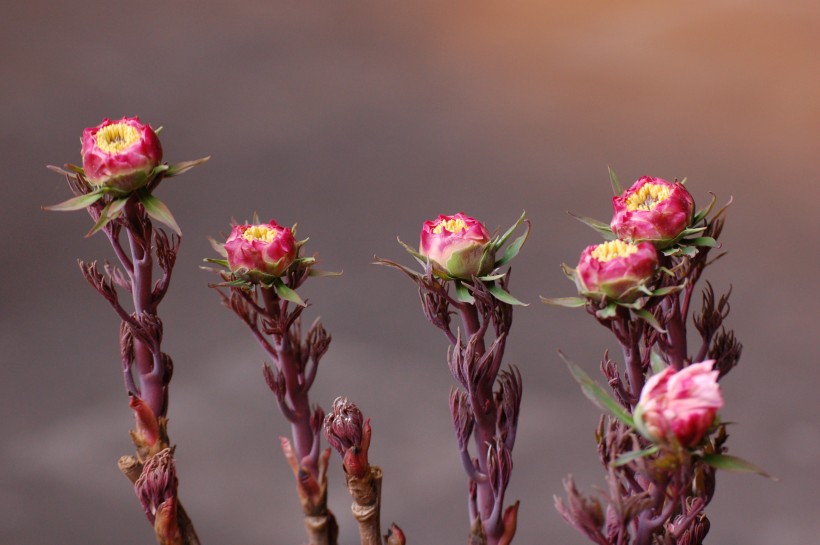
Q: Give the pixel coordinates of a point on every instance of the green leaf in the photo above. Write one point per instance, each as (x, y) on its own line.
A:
(410, 250)
(114, 209)
(222, 262)
(185, 166)
(649, 318)
(705, 212)
(603, 228)
(568, 302)
(415, 275)
(660, 292)
(608, 311)
(320, 273)
(656, 361)
(491, 277)
(218, 247)
(157, 210)
(286, 293)
(596, 394)
(76, 203)
(709, 242)
(504, 296)
(734, 463)
(634, 455)
(508, 233)
(691, 231)
(513, 249)
(616, 185)
(463, 294)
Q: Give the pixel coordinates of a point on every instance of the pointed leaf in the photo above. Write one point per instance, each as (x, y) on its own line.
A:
(513, 249)
(222, 262)
(734, 463)
(286, 293)
(608, 311)
(157, 210)
(692, 231)
(463, 294)
(320, 273)
(415, 275)
(185, 166)
(114, 209)
(705, 212)
(660, 292)
(103, 220)
(617, 189)
(504, 296)
(649, 318)
(508, 233)
(412, 251)
(596, 394)
(603, 228)
(709, 242)
(634, 455)
(656, 361)
(218, 247)
(76, 203)
(568, 302)
(491, 277)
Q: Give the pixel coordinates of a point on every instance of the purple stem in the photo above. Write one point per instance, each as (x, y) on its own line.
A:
(676, 331)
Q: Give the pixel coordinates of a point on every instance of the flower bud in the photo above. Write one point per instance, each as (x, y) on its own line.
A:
(615, 270)
(458, 245)
(120, 155)
(679, 404)
(652, 210)
(256, 251)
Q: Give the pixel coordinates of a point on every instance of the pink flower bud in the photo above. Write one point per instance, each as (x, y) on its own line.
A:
(120, 155)
(458, 245)
(258, 250)
(652, 210)
(680, 404)
(615, 270)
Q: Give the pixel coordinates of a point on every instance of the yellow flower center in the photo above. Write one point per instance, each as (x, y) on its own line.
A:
(115, 138)
(648, 197)
(452, 225)
(613, 250)
(260, 232)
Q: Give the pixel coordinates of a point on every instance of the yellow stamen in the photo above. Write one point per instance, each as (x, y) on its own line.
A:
(613, 250)
(115, 138)
(451, 225)
(260, 232)
(648, 197)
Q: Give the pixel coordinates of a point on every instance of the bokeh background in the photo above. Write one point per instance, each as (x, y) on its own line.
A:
(360, 120)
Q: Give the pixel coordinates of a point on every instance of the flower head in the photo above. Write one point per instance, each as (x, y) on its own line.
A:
(458, 245)
(679, 404)
(120, 155)
(258, 251)
(652, 210)
(616, 270)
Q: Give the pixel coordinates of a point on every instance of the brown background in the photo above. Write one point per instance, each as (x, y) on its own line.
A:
(360, 120)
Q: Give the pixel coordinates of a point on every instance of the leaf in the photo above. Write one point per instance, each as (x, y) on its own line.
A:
(286, 293)
(410, 250)
(660, 292)
(157, 210)
(218, 247)
(222, 262)
(608, 311)
(463, 294)
(705, 212)
(76, 203)
(656, 361)
(504, 296)
(319, 273)
(603, 228)
(734, 463)
(508, 233)
(513, 249)
(491, 277)
(649, 318)
(709, 242)
(185, 166)
(634, 455)
(110, 212)
(616, 185)
(568, 302)
(415, 275)
(596, 394)
(691, 231)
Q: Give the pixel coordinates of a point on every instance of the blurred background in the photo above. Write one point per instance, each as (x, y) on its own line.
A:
(360, 120)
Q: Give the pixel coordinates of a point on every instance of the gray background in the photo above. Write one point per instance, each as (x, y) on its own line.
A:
(360, 120)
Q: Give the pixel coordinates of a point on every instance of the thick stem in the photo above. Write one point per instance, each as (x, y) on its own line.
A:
(634, 369)
(676, 332)
(366, 493)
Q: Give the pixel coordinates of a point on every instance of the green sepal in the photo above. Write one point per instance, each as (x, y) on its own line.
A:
(111, 212)
(410, 250)
(183, 167)
(415, 275)
(76, 203)
(491, 277)
(734, 463)
(708, 242)
(513, 249)
(705, 212)
(157, 210)
(649, 318)
(634, 455)
(691, 231)
(504, 296)
(596, 394)
(660, 292)
(463, 294)
(568, 271)
(508, 233)
(221, 262)
(567, 302)
(286, 293)
(608, 311)
(602, 228)
(306, 261)
(69, 170)
(617, 189)
(236, 283)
